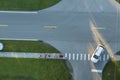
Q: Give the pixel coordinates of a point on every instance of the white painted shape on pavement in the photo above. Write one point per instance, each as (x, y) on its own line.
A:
(88, 56)
(69, 56)
(77, 57)
(95, 70)
(84, 56)
(66, 55)
(80, 56)
(73, 56)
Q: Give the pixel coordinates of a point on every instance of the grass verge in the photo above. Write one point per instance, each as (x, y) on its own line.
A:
(112, 70)
(27, 46)
(31, 69)
(118, 1)
(28, 5)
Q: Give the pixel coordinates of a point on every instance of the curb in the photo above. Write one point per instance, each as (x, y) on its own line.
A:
(20, 39)
(20, 12)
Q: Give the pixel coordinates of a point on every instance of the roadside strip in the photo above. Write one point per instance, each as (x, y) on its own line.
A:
(19, 39)
(23, 12)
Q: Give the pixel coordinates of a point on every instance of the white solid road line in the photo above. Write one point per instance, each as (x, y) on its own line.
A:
(73, 56)
(95, 70)
(69, 56)
(84, 56)
(77, 57)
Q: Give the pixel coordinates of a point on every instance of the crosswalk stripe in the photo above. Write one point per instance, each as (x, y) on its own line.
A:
(80, 56)
(77, 57)
(73, 56)
(88, 56)
(69, 56)
(84, 56)
(65, 54)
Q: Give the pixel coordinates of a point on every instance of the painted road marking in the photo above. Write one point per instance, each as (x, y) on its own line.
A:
(80, 56)
(77, 58)
(99, 28)
(84, 56)
(50, 27)
(95, 70)
(66, 55)
(3, 25)
(73, 56)
(88, 56)
(69, 56)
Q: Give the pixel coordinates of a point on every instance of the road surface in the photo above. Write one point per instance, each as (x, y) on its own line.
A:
(72, 33)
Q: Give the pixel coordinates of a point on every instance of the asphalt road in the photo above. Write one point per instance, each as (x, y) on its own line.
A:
(73, 32)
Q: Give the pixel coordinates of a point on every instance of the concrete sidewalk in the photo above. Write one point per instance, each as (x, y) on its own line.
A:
(32, 55)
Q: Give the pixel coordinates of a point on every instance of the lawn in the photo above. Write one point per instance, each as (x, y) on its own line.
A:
(27, 46)
(28, 5)
(118, 1)
(112, 70)
(33, 69)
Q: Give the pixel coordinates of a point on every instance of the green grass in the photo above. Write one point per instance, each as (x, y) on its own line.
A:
(28, 5)
(112, 71)
(118, 53)
(118, 1)
(27, 46)
(33, 69)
